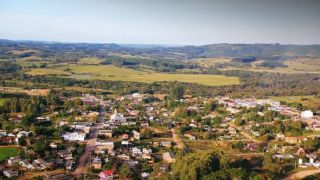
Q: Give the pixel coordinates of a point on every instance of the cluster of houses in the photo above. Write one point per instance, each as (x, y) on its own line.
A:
(126, 147)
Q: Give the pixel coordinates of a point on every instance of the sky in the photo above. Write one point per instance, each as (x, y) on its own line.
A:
(178, 22)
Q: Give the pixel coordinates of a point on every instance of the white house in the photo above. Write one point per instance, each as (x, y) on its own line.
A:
(10, 173)
(136, 135)
(306, 114)
(74, 136)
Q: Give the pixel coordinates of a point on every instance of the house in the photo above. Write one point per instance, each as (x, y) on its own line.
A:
(145, 175)
(105, 132)
(166, 144)
(190, 136)
(106, 175)
(3, 132)
(294, 140)
(306, 114)
(56, 176)
(96, 163)
(13, 161)
(125, 136)
(74, 136)
(105, 145)
(136, 135)
(41, 164)
(69, 164)
(168, 157)
(10, 173)
(53, 145)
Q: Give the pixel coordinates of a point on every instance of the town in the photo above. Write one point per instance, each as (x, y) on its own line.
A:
(98, 136)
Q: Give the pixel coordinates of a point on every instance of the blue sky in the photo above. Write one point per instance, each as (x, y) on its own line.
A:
(162, 21)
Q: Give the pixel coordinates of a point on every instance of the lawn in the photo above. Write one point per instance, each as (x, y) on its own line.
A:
(6, 152)
(110, 72)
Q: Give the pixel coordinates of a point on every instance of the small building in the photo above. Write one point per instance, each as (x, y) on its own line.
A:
(74, 136)
(166, 144)
(117, 117)
(136, 135)
(106, 175)
(306, 114)
(10, 173)
(105, 132)
(168, 157)
(96, 163)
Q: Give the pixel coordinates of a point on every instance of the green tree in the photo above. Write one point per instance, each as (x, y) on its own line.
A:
(125, 171)
(177, 92)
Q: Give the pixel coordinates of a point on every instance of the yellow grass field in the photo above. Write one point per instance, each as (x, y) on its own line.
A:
(309, 101)
(110, 72)
(299, 65)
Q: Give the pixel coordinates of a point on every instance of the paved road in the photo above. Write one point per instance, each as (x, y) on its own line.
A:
(83, 161)
(91, 144)
(302, 174)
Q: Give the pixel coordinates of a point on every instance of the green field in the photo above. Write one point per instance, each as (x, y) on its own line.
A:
(6, 152)
(110, 72)
(2, 101)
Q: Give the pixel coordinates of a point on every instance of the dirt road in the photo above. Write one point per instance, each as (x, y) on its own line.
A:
(176, 139)
(302, 174)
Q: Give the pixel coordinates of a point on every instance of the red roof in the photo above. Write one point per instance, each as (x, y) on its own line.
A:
(108, 173)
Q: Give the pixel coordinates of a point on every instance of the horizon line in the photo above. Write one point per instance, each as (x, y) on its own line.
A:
(148, 44)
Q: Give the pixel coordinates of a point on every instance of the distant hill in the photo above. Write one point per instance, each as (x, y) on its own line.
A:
(267, 51)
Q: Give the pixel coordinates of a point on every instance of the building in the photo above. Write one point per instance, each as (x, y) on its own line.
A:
(96, 163)
(10, 173)
(74, 136)
(105, 145)
(106, 175)
(168, 157)
(136, 135)
(306, 114)
(105, 132)
(117, 117)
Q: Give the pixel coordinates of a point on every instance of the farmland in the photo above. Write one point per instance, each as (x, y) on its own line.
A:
(113, 73)
(308, 101)
(298, 65)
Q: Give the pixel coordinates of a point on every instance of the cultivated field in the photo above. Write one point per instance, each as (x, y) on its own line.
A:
(110, 72)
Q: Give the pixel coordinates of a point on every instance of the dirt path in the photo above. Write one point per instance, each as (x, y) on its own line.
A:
(302, 174)
(176, 139)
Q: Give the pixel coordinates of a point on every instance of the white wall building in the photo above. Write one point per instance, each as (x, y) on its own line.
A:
(74, 136)
(117, 117)
(306, 114)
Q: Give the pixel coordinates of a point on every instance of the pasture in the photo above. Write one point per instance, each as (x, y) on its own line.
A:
(113, 73)
(294, 66)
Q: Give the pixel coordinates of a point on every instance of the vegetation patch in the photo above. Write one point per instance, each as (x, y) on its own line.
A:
(6, 152)
(113, 73)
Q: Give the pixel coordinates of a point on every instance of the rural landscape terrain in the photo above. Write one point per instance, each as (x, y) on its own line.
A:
(109, 111)
(160, 90)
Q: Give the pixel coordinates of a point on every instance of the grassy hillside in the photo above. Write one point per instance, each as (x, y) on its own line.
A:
(110, 72)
